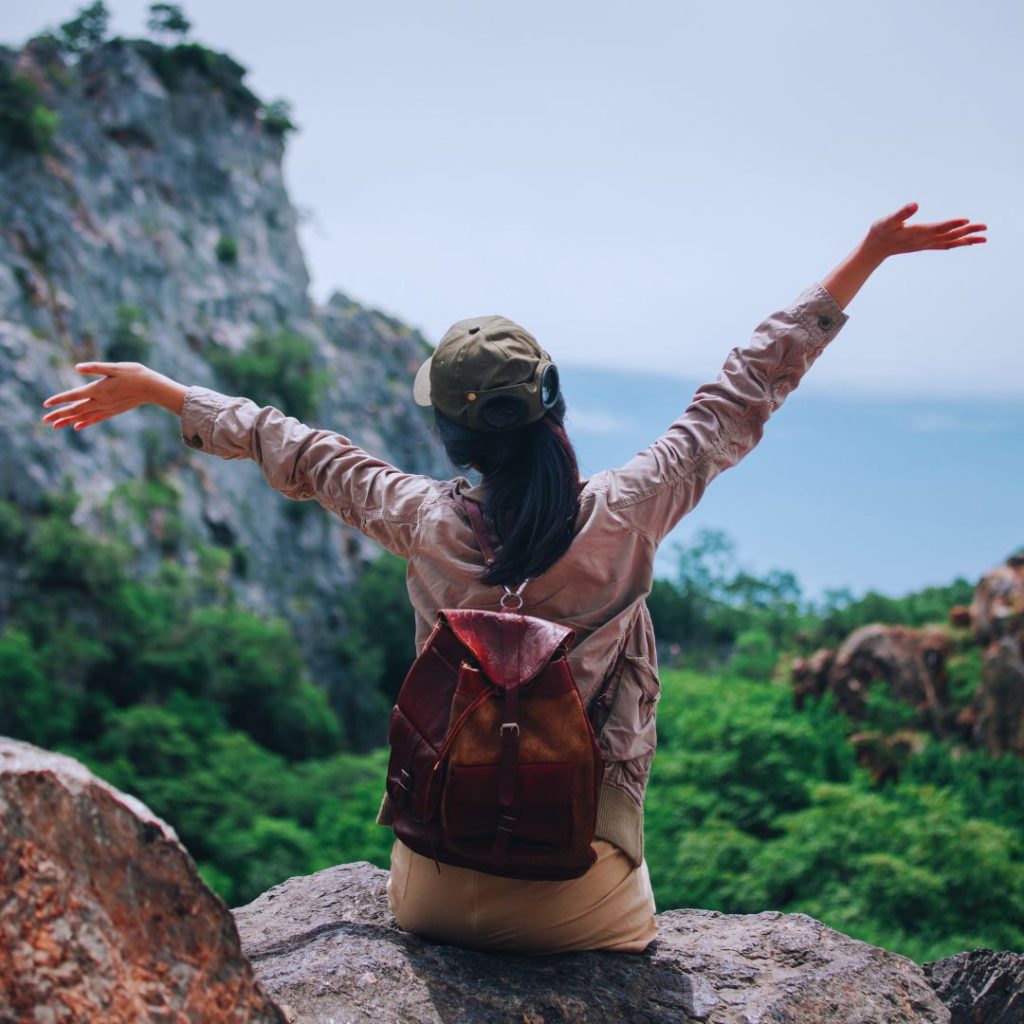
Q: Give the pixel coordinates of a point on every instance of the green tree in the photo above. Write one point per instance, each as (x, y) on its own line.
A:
(86, 30)
(277, 117)
(377, 649)
(130, 341)
(227, 249)
(168, 19)
(33, 705)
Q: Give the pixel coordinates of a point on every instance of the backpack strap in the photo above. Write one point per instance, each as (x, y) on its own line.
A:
(514, 598)
(476, 520)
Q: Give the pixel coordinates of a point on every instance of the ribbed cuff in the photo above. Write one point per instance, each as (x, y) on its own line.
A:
(620, 820)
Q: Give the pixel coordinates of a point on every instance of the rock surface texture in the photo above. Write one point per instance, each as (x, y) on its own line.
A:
(328, 950)
(103, 917)
(981, 986)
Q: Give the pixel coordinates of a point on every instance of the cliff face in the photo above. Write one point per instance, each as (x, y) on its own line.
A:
(156, 226)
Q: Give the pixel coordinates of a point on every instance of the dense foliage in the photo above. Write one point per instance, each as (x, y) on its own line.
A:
(713, 610)
(275, 368)
(172, 692)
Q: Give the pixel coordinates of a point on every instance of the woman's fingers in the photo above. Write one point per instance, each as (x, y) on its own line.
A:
(954, 244)
(73, 411)
(942, 226)
(84, 415)
(123, 386)
(901, 214)
(953, 234)
(110, 369)
(62, 417)
(106, 369)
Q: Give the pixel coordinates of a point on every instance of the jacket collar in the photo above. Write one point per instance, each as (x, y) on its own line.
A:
(474, 493)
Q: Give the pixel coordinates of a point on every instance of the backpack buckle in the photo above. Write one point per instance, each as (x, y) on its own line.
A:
(509, 733)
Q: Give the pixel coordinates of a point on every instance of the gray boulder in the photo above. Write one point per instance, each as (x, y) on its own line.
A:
(327, 948)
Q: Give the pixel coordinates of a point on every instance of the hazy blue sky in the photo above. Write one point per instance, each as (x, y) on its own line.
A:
(640, 184)
(650, 177)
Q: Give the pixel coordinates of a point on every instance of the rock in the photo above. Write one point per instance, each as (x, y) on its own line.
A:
(911, 661)
(327, 948)
(997, 620)
(103, 916)
(980, 986)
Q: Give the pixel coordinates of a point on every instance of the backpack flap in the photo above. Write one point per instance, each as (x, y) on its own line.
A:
(512, 649)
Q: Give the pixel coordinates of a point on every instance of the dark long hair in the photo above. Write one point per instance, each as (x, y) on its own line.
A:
(531, 485)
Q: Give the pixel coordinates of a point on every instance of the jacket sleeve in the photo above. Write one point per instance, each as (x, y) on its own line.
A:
(726, 418)
(303, 463)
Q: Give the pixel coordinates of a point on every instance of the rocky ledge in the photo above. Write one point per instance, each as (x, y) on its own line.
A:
(103, 916)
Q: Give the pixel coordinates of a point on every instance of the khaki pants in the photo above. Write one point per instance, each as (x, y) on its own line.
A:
(610, 907)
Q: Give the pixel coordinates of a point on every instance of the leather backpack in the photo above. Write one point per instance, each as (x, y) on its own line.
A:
(494, 760)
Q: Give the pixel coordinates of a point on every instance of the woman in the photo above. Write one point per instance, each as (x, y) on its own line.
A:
(586, 549)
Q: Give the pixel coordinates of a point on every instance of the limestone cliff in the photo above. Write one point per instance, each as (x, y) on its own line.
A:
(143, 216)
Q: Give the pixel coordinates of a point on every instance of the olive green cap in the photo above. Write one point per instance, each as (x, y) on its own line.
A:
(488, 374)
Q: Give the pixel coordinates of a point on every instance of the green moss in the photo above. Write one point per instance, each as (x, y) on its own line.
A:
(227, 249)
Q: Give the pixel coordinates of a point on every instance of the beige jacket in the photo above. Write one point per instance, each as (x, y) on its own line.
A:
(598, 587)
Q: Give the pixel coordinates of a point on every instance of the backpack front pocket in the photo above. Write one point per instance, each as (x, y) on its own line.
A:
(542, 809)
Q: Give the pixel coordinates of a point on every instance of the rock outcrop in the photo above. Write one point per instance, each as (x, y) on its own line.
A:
(156, 227)
(103, 917)
(980, 986)
(912, 662)
(997, 621)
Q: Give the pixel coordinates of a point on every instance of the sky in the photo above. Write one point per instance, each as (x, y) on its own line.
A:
(641, 184)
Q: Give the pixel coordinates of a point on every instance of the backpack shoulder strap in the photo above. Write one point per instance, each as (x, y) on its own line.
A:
(476, 520)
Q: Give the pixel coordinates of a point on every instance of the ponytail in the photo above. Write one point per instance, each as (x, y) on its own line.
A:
(531, 485)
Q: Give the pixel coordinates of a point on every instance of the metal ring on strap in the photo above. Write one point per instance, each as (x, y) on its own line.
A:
(511, 596)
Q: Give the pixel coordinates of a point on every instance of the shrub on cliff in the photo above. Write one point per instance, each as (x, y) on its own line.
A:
(275, 368)
(26, 123)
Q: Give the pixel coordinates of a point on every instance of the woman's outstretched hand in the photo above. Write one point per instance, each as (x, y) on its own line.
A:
(891, 235)
(123, 386)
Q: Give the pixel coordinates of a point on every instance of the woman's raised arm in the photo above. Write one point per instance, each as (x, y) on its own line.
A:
(299, 461)
(726, 418)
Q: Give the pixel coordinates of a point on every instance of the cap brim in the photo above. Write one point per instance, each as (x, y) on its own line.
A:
(421, 385)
